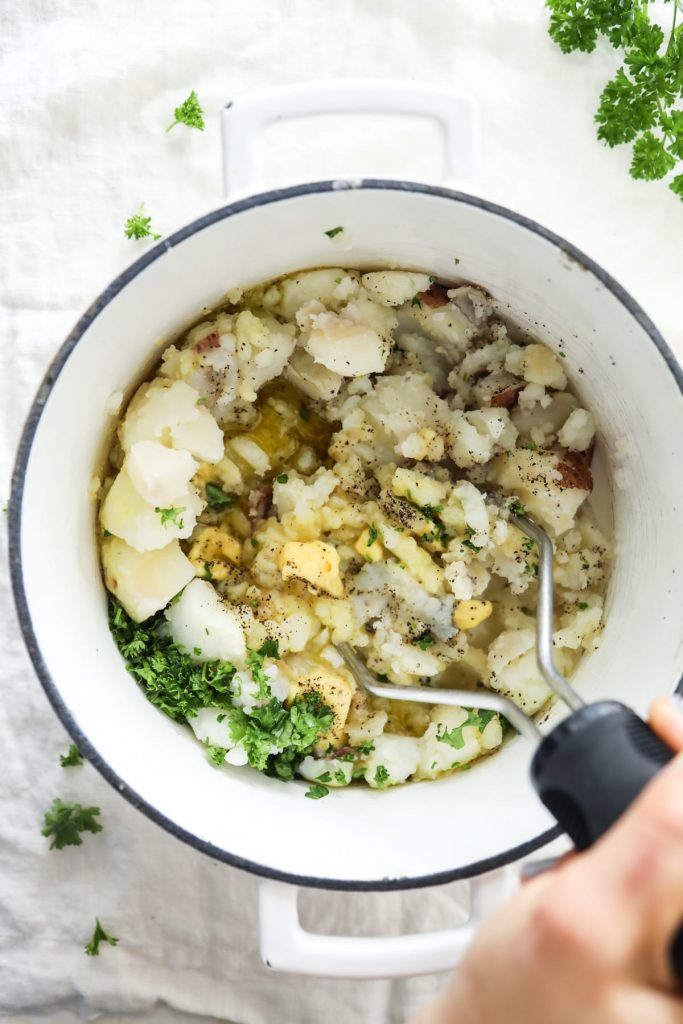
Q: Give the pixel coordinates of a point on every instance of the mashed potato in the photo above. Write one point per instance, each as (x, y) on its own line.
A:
(317, 463)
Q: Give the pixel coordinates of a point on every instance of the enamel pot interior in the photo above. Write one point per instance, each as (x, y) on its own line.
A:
(419, 833)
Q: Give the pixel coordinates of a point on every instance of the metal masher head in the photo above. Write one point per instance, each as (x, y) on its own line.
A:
(433, 694)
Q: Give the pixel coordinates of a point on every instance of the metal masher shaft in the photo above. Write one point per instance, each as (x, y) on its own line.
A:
(544, 614)
(434, 695)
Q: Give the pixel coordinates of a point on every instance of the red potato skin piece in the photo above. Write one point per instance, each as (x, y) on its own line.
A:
(340, 752)
(507, 398)
(260, 504)
(210, 341)
(435, 296)
(575, 468)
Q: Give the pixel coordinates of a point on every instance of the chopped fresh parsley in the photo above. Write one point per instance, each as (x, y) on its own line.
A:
(190, 113)
(456, 260)
(139, 226)
(431, 512)
(255, 663)
(325, 777)
(99, 935)
(373, 534)
(179, 686)
(381, 776)
(170, 515)
(333, 232)
(340, 777)
(217, 499)
(432, 278)
(366, 747)
(454, 737)
(640, 104)
(316, 791)
(516, 508)
(468, 543)
(530, 445)
(65, 822)
(282, 478)
(582, 605)
(424, 642)
(107, 533)
(269, 649)
(416, 302)
(172, 680)
(71, 759)
(215, 754)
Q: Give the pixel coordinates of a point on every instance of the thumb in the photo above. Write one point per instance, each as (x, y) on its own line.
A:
(666, 719)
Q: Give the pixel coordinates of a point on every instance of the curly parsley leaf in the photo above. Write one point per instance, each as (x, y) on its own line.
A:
(217, 499)
(381, 776)
(639, 104)
(65, 822)
(316, 791)
(99, 935)
(171, 515)
(140, 226)
(189, 113)
(454, 737)
(71, 759)
(172, 681)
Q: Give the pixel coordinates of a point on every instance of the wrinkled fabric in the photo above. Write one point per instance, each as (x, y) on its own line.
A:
(87, 89)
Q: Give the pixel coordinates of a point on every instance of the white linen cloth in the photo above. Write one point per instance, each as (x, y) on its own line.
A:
(87, 89)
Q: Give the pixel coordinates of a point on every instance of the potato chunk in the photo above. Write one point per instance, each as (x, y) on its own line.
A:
(172, 413)
(346, 346)
(147, 527)
(206, 626)
(144, 582)
(159, 474)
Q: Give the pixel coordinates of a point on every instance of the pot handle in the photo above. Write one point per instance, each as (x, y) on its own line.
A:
(245, 117)
(286, 946)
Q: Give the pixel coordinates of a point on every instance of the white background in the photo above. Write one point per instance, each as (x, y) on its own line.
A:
(87, 88)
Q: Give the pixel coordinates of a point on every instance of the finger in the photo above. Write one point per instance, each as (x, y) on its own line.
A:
(638, 869)
(533, 868)
(666, 718)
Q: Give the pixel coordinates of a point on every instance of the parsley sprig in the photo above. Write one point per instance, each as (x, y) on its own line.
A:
(171, 515)
(65, 822)
(641, 103)
(140, 226)
(98, 936)
(72, 758)
(454, 737)
(190, 113)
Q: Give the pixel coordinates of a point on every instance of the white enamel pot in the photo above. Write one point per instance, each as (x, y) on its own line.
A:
(422, 834)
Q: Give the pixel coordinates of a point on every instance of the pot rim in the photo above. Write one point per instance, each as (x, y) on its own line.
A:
(17, 488)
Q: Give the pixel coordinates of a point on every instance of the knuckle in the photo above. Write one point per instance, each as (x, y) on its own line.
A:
(565, 923)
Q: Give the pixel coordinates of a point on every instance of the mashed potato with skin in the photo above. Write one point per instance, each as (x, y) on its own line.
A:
(323, 458)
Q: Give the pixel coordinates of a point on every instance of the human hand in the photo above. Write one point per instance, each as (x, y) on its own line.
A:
(587, 943)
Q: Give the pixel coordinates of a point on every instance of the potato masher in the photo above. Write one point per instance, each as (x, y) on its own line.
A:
(591, 766)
